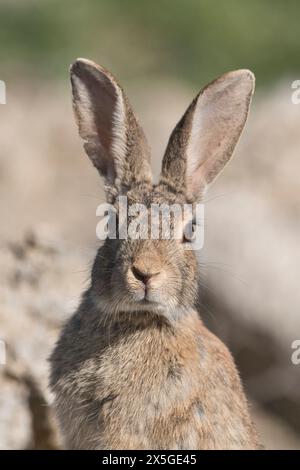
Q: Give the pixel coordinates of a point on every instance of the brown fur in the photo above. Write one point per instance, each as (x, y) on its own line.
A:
(137, 372)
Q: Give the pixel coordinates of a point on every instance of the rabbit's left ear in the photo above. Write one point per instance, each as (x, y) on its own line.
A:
(204, 140)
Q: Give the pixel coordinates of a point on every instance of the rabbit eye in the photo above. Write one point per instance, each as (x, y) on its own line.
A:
(189, 233)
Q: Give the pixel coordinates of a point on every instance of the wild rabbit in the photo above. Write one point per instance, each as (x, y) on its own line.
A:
(135, 368)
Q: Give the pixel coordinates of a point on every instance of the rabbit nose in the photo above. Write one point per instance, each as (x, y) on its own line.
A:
(143, 275)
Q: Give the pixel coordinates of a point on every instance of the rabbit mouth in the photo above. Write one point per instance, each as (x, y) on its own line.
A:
(146, 298)
(148, 295)
(149, 299)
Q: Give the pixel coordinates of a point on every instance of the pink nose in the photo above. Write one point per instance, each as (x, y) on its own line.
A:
(143, 275)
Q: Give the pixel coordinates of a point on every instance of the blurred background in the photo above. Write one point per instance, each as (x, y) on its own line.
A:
(162, 53)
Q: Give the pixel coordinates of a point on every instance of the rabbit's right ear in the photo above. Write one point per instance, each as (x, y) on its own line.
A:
(113, 139)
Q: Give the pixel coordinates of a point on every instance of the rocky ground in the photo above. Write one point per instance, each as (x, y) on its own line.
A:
(36, 292)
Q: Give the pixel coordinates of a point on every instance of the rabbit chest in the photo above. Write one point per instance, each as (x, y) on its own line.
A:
(147, 385)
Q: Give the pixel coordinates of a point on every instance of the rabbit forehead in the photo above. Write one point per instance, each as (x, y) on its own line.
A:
(156, 194)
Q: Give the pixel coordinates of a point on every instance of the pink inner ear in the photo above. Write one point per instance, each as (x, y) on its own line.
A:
(218, 119)
(103, 99)
(100, 111)
(113, 139)
(95, 100)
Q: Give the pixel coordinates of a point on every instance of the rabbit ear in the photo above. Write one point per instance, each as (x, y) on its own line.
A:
(113, 139)
(204, 140)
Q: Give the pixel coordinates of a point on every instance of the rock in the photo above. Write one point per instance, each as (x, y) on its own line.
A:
(35, 300)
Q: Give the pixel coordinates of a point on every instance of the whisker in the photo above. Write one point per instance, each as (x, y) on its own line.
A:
(217, 196)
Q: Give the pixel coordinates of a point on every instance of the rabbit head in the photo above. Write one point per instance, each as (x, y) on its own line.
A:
(157, 275)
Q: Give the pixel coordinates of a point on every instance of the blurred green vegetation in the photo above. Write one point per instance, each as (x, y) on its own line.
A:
(191, 40)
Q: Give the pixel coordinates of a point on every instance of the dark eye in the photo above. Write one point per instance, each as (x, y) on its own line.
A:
(189, 232)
